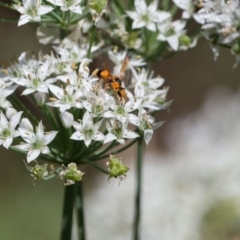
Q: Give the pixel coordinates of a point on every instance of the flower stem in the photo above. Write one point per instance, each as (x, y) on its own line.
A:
(137, 215)
(91, 41)
(7, 6)
(80, 212)
(67, 217)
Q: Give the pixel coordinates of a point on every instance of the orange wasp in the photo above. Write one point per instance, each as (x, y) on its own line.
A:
(115, 82)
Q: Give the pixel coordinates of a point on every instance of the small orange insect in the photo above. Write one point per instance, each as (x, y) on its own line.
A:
(115, 82)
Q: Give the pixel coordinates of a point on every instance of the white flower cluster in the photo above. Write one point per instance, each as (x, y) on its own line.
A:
(162, 22)
(64, 83)
(220, 22)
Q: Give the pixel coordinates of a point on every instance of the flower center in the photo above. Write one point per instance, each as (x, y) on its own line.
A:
(88, 132)
(38, 144)
(32, 12)
(120, 111)
(6, 132)
(68, 3)
(97, 109)
(60, 67)
(35, 82)
(145, 18)
(68, 99)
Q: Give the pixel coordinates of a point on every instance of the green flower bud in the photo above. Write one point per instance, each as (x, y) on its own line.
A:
(236, 48)
(98, 5)
(116, 168)
(71, 174)
(185, 40)
(38, 171)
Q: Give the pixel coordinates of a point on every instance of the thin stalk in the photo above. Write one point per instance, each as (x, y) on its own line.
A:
(80, 211)
(91, 41)
(67, 216)
(97, 157)
(7, 6)
(137, 215)
(97, 167)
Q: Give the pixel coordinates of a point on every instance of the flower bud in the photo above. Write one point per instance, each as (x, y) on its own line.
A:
(98, 5)
(67, 119)
(185, 40)
(116, 168)
(38, 171)
(10, 112)
(40, 98)
(97, 8)
(71, 174)
(236, 48)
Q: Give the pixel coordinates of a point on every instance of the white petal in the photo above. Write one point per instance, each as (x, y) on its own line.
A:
(15, 119)
(40, 131)
(77, 136)
(67, 119)
(8, 91)
(129, 134)
(57, 91)
(173, 42)
(28, 91)
(45, 150)
(98, 136)
(148, 135)
(3, 120)
(87, 142)
(7, 142)
(108, 114)
(87, 118)
(23, 147)
(44, 9)
(27, 135)
(32, 155)
(109, 138)
(48, 137)
(24, 19)
(76, 9)
(25, 123)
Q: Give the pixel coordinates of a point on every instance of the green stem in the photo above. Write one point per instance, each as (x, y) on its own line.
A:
(137, 216)
(67, 217)
(91, 41)
(97, 167)
(7, 6)
(80, 210)
(97, 157)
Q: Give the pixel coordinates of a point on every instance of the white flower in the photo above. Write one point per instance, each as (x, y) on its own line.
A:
(67, 98)
(118, 131)
(87, 131)
(189, 7)
(122, 113)
(5, 92)
(32, 10)
(72, 5)
(97, 104)
(7, 128)
(170, 32)
(146, 16)
(36, 143)
(35, 78)
(147, 125)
